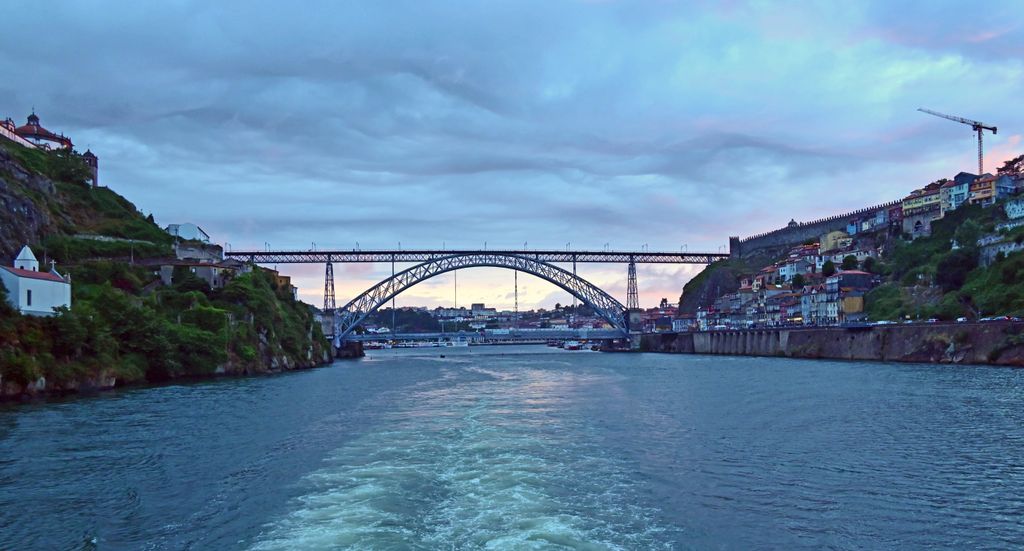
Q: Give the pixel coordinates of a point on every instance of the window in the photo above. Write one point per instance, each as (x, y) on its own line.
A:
(28, 298)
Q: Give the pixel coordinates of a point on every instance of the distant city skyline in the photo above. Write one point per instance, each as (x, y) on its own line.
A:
(627, 123)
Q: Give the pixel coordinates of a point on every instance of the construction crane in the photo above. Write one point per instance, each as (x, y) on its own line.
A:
(977, 126)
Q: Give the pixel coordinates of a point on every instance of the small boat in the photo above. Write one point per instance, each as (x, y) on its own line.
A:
(572, 345)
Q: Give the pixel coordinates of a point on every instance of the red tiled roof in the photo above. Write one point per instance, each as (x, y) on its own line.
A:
(34, 131)
(48, 276)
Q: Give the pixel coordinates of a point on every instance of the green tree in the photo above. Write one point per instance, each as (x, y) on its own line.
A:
(849, 262)
(828, 268)
(870, 264)
(1013, 166)
(798, 281)
(967, 235)
(952, 270)
(68, 166)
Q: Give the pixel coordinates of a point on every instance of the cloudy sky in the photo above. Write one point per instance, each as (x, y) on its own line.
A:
(551, 122)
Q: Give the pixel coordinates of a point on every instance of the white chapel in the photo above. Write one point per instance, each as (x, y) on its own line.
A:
(32, 291)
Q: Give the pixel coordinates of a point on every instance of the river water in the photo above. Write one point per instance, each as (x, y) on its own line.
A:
(528, 448)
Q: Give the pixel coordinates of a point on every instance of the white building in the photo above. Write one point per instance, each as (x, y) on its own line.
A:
(1014, 209)
(34, 292)
(188, 231)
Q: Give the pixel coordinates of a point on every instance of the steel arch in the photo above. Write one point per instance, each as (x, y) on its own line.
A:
(352, 314)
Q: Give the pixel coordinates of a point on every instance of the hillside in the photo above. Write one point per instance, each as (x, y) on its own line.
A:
(46, 203)
(955, 272)
(124, 326)
(715, 280)
(929, 278)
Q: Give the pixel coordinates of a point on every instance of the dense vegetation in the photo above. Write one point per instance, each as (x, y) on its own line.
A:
(123, 323)
(717, 279)
(928, 278)
(184, 330)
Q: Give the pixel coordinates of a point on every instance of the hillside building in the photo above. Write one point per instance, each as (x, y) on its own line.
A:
(188, 232)
(42, 138)
(921, 208)
(988, 189)
(31, 291)
(33, 135)
(94, 166)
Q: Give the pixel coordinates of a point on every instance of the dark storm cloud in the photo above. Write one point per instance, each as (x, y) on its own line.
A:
(543, 122)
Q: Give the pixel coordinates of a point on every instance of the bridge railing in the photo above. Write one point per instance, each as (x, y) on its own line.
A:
(425, 255)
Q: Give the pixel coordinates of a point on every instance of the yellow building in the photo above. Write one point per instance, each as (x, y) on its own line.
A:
(833, 240)
(853, 304)
(983, 190)
(921, 200)
(829, 241)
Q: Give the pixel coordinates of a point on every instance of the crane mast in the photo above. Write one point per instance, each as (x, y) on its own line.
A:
(977, 126)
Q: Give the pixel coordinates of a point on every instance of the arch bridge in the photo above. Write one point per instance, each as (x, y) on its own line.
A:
(433, 262)
(348, 317)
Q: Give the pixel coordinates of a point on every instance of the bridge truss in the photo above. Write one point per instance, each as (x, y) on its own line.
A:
(428, 255)
(347, 318)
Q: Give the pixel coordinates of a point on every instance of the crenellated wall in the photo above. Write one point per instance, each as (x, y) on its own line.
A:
(794, 235)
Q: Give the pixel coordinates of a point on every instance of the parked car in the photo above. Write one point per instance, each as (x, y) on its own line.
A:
(961, 320)
(933, 320)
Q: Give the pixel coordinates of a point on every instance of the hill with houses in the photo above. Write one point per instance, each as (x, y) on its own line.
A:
(142, 303)
(949, 250)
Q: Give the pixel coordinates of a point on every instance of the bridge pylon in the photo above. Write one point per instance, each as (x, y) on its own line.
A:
(632, 296)
(329, 303)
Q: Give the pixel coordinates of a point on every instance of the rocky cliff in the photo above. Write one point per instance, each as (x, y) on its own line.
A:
(717, 279)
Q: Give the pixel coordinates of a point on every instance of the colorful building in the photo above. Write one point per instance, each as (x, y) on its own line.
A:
(953, 194)
(988, 189)
(921, 208)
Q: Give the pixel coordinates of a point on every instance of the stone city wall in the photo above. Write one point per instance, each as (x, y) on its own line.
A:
(775, 242)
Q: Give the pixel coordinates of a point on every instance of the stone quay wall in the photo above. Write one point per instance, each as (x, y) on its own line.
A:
(992, 343)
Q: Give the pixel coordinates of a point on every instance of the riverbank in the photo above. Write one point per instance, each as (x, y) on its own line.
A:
(106, 380)
(991, 343)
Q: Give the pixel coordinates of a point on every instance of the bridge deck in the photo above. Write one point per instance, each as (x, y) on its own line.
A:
(525, 335)
(424, 255)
